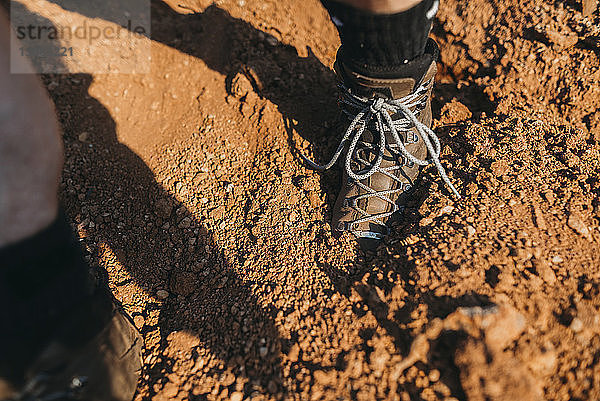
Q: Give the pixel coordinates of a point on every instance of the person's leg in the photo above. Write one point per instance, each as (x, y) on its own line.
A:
(30, 150)
(382, 6)
(58, 324)
(386, 66)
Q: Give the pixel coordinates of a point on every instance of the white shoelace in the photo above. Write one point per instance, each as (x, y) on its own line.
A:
(380, 111)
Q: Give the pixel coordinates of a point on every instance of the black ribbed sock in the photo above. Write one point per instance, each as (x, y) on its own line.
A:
(381, 43)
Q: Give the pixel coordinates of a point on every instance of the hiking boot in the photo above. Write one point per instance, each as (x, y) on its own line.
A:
(95, 355)
(387, 139)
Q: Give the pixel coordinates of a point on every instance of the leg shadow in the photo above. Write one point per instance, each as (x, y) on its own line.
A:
(128, 220)
(141, 226)
(303, 89)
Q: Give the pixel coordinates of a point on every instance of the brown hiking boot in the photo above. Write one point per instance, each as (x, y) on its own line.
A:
(387, 139)
(96, 355)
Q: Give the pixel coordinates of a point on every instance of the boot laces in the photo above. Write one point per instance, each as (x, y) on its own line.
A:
(364, 112)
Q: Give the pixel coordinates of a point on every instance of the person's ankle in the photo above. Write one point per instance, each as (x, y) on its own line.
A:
(381, 42)
(414, 69)
(382, 6)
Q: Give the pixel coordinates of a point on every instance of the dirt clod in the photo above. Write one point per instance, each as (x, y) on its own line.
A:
(576, 223)
(500, 377)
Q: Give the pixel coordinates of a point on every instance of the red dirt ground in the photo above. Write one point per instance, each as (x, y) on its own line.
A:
(185, 184)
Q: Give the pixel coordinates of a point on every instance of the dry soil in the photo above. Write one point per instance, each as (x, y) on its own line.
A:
(186, 185)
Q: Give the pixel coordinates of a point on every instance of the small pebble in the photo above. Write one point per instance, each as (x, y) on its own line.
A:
(447, 209)
(576, 223)
(139, 321)
(576, 325)
(271, 41)
(237, 396)
(162, 294)
(434, 375)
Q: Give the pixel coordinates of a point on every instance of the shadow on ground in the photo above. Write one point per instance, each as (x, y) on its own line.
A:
(108, 182)
(302, 88)
(117, 188)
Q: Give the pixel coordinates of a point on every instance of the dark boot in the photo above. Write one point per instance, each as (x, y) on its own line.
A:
(63, 335)
(104, 367)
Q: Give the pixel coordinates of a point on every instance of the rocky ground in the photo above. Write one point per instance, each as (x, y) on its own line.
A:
(186, 185)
